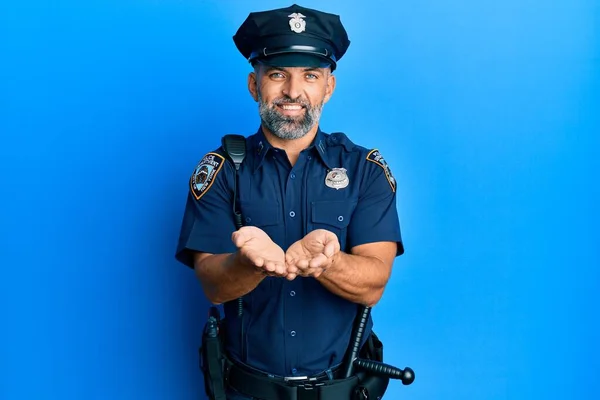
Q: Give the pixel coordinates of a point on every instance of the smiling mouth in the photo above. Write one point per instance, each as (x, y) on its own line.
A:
(291, 109)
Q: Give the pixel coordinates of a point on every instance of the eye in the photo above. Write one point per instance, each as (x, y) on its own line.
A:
(276, 75)
(311, 76)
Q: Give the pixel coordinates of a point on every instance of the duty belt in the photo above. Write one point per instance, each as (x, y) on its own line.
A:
(262, 386)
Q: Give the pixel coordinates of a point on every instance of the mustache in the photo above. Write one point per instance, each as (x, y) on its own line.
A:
(288, 100)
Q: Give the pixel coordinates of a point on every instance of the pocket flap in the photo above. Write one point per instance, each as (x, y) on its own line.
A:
(264, 214)
(334, 213)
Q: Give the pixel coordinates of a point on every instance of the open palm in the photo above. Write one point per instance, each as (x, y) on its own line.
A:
(312, 254)
(257, 249)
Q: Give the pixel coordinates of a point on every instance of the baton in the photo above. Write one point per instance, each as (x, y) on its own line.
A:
(406, 375)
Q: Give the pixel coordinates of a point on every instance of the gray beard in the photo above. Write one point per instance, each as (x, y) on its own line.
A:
(288, 128)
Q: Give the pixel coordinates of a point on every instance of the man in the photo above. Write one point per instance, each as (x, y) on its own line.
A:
(321, 228)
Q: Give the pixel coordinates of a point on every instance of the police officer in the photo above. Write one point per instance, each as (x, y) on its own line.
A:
(321, 229)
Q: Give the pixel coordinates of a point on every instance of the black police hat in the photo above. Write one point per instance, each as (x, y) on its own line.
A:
(292, 36)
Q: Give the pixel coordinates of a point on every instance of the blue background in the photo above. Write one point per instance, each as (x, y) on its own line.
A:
(488, 113)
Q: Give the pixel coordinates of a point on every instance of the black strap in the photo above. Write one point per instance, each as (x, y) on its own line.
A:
(266, 388)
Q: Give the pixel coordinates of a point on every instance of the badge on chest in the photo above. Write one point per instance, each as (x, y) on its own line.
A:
(337, 178)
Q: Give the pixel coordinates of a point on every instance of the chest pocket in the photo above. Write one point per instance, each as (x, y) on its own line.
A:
(266, 216)
(333, 216)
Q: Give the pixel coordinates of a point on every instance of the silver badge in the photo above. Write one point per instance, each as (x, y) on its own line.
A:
(297, 24)
(337, 178)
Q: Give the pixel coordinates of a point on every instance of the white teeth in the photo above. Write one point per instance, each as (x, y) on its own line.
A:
(288, 107)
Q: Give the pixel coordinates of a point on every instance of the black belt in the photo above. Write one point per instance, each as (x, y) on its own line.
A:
(264, 387)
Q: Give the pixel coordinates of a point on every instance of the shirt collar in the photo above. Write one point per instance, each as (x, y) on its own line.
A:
(320, 144)
(261, 146)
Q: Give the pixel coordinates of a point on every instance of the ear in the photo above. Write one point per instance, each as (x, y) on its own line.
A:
(330, 87)
(253, 85)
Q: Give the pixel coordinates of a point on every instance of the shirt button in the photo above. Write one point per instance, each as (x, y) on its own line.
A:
(340, 218)
(292, 293)
(293, 176)
(248, 219)
(293, 333)
(292, 214)
(294, 370)
(309, 157)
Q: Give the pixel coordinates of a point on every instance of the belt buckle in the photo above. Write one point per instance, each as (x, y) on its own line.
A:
(304, 382)
(295, 378)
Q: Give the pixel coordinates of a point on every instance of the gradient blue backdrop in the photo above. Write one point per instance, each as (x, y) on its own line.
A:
(487, 111)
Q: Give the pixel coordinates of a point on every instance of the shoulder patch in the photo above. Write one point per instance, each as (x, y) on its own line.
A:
(376, 157)
(205, 173)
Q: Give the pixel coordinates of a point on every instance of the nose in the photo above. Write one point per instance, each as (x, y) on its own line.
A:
(292, 87)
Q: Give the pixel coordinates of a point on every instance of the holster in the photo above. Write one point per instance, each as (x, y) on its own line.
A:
(371, 386)
(212, 357)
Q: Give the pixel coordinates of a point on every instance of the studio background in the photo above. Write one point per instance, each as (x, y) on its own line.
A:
(487, 111)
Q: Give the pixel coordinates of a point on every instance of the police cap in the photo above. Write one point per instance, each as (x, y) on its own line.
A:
(291, 37)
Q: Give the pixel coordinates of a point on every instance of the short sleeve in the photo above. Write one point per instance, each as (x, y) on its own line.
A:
(375, 218)
(208, 220)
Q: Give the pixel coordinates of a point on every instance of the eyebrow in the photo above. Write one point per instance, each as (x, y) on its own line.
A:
(283, 69)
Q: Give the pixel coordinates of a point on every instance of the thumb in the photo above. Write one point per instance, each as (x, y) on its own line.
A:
(239, 238)
(332, 245)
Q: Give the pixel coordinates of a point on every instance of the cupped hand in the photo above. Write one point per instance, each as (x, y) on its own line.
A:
(313, 254)
(258, 250)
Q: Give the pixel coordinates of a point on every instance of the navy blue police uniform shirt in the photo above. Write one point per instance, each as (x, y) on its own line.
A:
(292, 328)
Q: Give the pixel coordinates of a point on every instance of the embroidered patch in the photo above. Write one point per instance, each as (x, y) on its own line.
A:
(205, 173)
(376, 157)
(337, 178)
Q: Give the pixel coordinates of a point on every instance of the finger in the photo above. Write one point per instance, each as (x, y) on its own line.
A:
(290, 277)
(302, 264)
(291, 269)
(317, 272)
(276, 268)
(239, 238)
(318, 261)
(281, 269)
(331, 247)
(291, 253)
(270, 266)
(254, 258)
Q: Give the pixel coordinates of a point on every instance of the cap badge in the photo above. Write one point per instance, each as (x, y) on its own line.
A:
(297, 24)
(337, 178)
